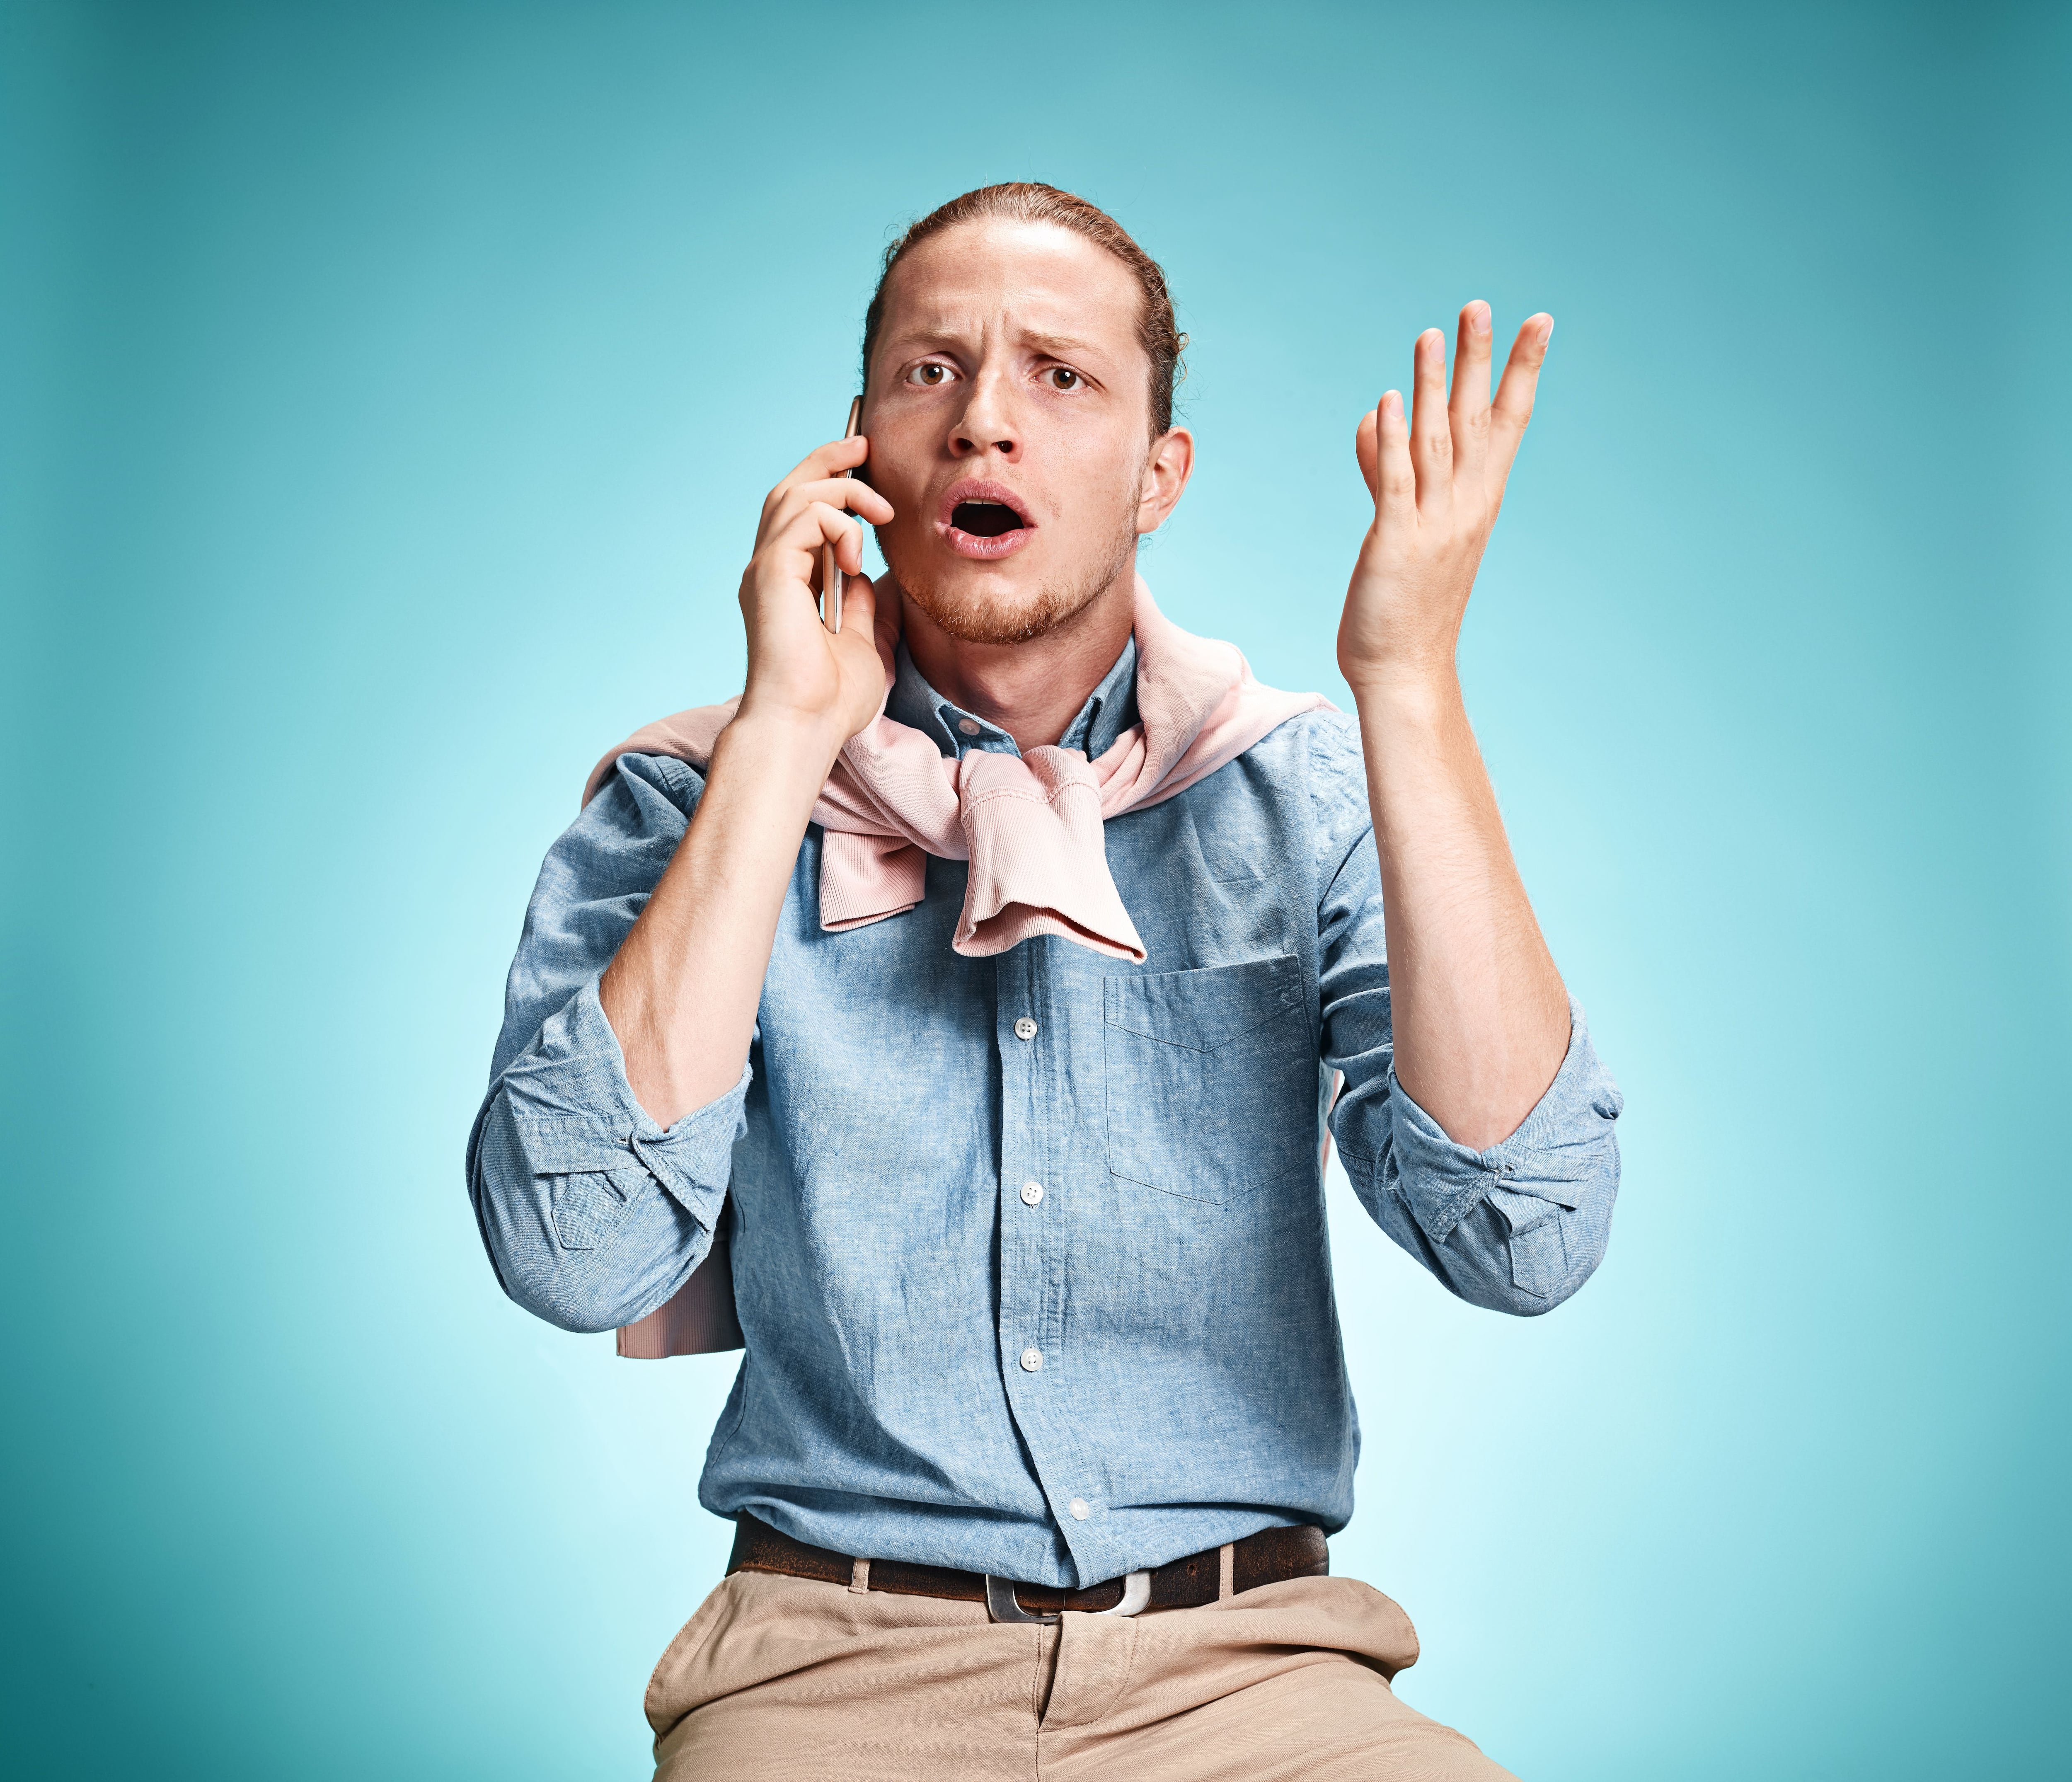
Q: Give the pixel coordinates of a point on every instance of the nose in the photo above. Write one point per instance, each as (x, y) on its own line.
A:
(986, 423)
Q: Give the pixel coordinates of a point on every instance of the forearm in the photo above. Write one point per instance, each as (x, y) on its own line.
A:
(682, 992)
(1480, 1013)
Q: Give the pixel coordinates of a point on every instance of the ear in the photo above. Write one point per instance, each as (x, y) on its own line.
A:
(1166, 474)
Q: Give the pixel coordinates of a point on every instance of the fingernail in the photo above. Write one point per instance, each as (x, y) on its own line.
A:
(1392, 403)
(1481, 318)
(1549, 335)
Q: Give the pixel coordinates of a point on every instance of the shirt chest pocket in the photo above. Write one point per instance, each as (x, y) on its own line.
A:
(1211, 1078)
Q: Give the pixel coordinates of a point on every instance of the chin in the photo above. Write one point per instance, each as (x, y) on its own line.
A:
(992, 614)
(990, 607)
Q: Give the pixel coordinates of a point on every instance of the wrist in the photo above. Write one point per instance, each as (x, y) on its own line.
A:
(1408, 695)
(791, 742)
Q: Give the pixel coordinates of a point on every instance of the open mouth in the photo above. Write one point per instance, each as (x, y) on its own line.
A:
(984, 519)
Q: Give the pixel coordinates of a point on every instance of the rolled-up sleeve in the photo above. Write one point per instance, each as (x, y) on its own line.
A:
(592, 1214)
(1517, 1227)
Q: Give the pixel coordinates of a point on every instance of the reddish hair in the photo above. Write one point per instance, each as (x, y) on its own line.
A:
(1022, 202)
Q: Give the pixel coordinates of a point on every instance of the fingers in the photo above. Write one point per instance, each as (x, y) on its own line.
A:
(786, 505)
(831, 460)
(842, 491)
(797, 544)
(1513, 407)
(1431, 432)
(844, 533)
(1468, 408)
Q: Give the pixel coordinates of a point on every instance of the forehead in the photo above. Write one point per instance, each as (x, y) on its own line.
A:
(995, 277)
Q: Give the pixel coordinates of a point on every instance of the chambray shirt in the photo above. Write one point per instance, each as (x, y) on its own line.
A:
(1029, 1252)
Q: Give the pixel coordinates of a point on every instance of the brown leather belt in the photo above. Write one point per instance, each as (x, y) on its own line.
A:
(1269, 1557)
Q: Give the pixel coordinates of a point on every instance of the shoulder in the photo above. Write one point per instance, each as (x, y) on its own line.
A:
(1315, 756)
(1300, 791)
(644, 789)
(1325, 741)
(1334, 778)
(623, 837)
(1331, 747)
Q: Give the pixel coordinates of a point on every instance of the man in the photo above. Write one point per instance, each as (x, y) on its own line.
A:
(985, 971)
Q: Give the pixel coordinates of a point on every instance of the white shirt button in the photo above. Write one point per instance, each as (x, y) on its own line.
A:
(1078, 1507)
(1032, 1360)
(1031, 1193)
(969, 726)
(1025, 1029)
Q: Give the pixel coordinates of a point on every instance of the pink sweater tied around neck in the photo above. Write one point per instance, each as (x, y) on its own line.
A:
(1031, 825)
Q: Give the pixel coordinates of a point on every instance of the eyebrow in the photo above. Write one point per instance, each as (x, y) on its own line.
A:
(1057, 346)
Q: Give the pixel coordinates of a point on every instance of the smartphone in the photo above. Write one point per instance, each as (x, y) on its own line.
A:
(831, 574)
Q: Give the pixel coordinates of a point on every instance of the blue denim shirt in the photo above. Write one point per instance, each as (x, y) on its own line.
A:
(1029, 1251)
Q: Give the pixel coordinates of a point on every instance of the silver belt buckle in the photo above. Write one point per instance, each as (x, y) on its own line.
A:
(1003, 1605)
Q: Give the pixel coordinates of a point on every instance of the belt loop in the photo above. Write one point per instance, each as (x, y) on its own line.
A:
(859, 1576)
(1226, 1571)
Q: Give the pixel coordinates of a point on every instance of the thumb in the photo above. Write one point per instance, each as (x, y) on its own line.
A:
(863, 627)
(1366, 449)
(859, 605)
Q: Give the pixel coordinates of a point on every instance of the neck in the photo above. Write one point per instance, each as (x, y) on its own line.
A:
(1033, 689)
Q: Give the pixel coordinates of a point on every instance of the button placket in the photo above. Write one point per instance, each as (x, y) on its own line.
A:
(1020, 1240)
(1029, 1333)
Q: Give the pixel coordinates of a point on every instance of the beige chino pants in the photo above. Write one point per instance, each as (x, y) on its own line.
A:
(785, 1679)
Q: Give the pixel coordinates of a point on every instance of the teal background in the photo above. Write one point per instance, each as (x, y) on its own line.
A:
(387, 394)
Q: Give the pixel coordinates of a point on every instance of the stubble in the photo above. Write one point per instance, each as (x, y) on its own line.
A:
(990, 616)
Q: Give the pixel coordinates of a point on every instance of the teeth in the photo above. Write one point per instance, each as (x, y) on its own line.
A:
(987, 517)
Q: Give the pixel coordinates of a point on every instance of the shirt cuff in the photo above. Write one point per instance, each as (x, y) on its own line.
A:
(573, 1111)
(1559, 1148)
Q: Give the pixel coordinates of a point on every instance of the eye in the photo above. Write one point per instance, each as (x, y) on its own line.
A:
(1063, 377)
(930, 374)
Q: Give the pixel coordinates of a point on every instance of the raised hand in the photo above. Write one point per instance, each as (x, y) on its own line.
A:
(799, 672)
(1437, 484)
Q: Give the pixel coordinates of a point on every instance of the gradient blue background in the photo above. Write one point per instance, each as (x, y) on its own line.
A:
(387, 396)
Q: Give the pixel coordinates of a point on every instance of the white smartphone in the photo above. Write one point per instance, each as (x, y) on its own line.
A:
(831, 573)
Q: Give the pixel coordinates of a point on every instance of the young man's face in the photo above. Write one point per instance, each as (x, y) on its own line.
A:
(1009, 414)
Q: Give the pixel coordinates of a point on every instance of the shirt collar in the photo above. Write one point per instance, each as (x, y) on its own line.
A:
(1110, 709)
